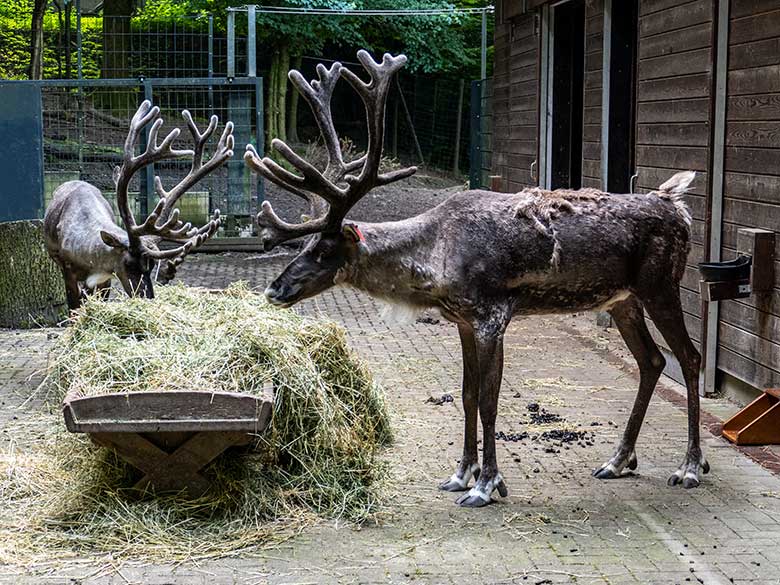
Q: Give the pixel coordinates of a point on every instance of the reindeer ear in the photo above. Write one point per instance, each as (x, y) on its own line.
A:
(352, 232)
(113, 241)
(116, 175)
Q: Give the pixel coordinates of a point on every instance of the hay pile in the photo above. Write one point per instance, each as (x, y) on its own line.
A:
(319, 457)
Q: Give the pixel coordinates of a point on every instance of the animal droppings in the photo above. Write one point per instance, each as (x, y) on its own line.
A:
(444, 398)
(560, 436)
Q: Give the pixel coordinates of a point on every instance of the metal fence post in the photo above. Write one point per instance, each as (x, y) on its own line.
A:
(483, 47)
(79, 72)
(147, 186)
(708, 375)
(231, 43)
(251, 41)
(475, 159)
(259, 134)
(605, 92)
(211, 61)
(211, 45)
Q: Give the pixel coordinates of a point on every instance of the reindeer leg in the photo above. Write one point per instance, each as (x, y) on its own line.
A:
(469, 463)
(72, 288)
(631, 323)
(490, 357)
(665, 310)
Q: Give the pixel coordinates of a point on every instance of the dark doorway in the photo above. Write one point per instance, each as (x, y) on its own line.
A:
(622, 96)
(567, 94)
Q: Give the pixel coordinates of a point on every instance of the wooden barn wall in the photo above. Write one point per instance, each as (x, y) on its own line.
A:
(591, 131)
(515, 101)
(674, 70)
(749, 331)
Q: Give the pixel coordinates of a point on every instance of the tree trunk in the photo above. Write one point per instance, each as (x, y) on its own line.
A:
(36, 40)
(281, 110)
(32, 292)
(292, 116)
(116, 38)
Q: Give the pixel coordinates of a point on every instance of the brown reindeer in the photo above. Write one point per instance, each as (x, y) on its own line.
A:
(482, 257)
(83, 239)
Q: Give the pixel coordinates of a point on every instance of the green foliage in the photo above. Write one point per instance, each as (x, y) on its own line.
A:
(447, 43)
(309, 34)
(435, 44)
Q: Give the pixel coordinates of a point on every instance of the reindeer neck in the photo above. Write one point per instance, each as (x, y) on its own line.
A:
(395, 261)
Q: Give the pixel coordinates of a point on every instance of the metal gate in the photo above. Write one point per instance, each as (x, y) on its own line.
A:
(82, 125)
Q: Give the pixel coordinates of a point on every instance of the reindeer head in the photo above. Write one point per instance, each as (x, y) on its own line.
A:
(330, 193)
(139, 252)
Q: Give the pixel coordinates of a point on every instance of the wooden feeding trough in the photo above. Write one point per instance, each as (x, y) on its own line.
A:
(170, 436)
(758, 423)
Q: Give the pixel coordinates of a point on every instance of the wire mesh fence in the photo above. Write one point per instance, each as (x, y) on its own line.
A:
(119, 47)
(85, 125)
(426, 122)
(429, 122)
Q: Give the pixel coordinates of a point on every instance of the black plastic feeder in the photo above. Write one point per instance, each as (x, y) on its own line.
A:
(737, 269)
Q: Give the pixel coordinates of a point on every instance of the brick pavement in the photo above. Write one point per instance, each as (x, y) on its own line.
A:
(559, 525)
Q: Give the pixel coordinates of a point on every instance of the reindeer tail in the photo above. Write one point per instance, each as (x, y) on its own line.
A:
(673, 190)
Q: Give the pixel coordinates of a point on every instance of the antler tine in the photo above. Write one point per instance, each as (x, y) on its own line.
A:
(199, 169)
(312, 184)
(318, 94)
(374, 95)
(273, 172)
(198, 138)
(131, 163)
(163, 222)
(196, 239)
(274, 230)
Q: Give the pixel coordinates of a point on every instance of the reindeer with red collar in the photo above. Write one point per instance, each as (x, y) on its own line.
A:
(482, 257)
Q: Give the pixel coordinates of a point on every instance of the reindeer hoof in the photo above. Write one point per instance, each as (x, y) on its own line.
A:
(613, 468)
(467, 501)
(605, 472)
(460, 483)
(688, 474)
(453, 484)
(480, 494)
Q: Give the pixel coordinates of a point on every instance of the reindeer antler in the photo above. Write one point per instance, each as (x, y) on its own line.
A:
(337, 184)
(171, 228)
